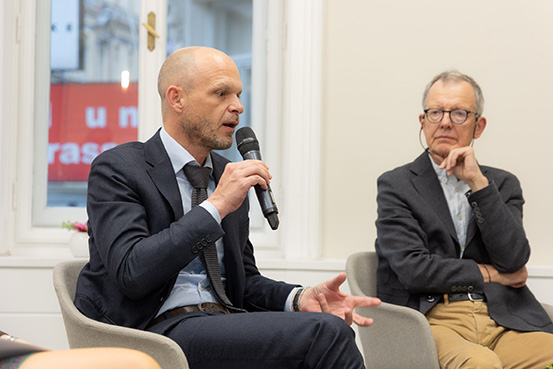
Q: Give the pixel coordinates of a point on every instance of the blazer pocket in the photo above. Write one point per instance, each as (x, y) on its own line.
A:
(392, 295)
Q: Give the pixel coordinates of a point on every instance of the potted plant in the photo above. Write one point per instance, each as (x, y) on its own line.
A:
(78, 243)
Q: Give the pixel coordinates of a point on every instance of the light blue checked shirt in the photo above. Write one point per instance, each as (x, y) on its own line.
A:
(459, 207)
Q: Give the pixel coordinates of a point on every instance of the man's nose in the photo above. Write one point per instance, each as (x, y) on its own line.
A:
(446, 120)
(237, 106)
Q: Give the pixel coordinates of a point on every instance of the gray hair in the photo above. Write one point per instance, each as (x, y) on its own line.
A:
(456, 77)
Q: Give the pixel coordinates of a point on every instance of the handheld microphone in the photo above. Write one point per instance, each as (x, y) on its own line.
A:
(249, 149)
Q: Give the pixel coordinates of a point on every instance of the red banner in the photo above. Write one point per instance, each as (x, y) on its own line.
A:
(86, 119)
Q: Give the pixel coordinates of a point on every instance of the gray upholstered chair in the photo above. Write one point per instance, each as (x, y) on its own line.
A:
(85, 332)
(400, 337)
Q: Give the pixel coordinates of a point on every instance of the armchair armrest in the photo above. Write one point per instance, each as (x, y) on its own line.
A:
(400, 337)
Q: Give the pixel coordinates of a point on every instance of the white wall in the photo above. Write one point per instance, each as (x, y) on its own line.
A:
(379, 56)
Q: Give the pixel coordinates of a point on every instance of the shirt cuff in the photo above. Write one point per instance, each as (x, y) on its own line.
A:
(211, 209)
(289, 300)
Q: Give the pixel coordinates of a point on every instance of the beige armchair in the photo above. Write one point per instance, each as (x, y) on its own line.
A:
(85, 332)
(400, 336)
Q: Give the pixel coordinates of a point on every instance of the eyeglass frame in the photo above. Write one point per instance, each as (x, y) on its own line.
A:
(476, 115)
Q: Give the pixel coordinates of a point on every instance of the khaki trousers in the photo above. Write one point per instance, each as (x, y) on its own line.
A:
(466, 337)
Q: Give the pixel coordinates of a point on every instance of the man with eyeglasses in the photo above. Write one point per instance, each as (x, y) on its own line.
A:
(452, 245)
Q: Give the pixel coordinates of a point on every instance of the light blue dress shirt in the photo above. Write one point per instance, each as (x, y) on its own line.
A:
(459, 207)
(192, 286)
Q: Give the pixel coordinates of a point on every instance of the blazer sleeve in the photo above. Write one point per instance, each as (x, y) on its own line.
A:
(262, 293)
(497, 212)
(134, 231)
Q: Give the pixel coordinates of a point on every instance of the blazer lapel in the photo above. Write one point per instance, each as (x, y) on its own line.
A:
(473, 227)
(426, 183)
(219, 164)
(234, 264)
(161, 173)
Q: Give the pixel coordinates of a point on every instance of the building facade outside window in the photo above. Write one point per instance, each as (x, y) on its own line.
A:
(57, 117)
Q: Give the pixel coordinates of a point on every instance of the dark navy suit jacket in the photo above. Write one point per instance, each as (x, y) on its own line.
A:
(140, 239)
(420, 254)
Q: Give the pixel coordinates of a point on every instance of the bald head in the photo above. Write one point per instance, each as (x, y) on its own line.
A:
(200, 92)
(182, 66)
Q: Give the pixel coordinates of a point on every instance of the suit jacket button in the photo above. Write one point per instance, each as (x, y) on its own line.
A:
(204, 242)
(199, 246)
(208, 238)
(470, 288)
(454, 289)
(430, 298)
(195, 249)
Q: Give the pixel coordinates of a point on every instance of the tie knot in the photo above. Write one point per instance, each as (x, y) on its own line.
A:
(198, 176)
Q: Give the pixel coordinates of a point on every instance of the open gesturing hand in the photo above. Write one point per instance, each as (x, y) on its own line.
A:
(327, 298)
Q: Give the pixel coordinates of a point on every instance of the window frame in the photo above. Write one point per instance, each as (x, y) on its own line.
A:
(287, 37)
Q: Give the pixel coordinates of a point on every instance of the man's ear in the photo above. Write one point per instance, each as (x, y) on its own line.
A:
(421, 119)
(174, 97)
(479, 128)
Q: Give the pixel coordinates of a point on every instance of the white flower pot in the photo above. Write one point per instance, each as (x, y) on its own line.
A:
(78, 244)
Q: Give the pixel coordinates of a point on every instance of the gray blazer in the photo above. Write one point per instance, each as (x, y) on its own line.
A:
(419, 254)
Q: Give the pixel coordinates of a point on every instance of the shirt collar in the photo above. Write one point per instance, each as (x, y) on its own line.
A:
(178, 155)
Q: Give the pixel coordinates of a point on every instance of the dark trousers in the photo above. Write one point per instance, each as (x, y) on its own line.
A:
(263, 340)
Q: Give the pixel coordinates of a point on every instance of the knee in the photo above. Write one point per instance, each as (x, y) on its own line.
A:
(335, 326)
(334, 345)
(486, 359)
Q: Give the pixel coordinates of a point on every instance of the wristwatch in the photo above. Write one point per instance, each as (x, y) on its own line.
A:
(296, 301)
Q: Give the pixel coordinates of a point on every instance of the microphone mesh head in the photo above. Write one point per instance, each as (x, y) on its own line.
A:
(246, 140)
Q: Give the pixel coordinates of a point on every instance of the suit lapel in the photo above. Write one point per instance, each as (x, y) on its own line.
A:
(219, 164)
(471, 231)
(473, 227)
(161, 173)
(231, 239)
(427, 185)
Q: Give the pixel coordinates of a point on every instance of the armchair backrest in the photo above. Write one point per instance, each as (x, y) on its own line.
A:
(361, 272)
(85, 332)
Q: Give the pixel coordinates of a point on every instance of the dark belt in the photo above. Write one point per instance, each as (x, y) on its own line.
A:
(466, 296)
(209, 307)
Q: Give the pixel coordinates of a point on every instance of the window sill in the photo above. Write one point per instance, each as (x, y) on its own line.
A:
(33, 261)
(41, 260)
(49, 261)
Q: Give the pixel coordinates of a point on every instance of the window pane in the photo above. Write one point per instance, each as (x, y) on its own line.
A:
(93, 91)
(222, 24)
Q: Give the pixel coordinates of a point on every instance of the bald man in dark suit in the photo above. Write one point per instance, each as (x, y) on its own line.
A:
(146, 267)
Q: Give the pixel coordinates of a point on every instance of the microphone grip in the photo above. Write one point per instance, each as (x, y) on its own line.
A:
(268, 205)
(265, 197)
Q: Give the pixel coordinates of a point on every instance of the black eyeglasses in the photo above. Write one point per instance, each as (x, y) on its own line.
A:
(457, 116)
